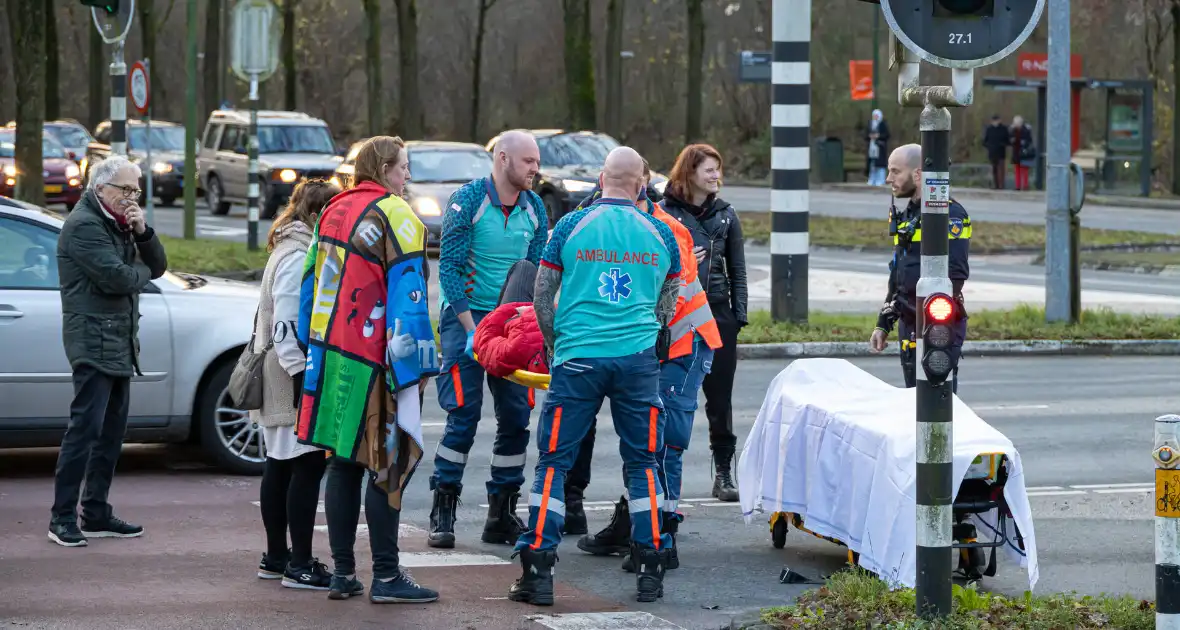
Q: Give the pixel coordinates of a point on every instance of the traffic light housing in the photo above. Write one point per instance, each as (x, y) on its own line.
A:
(940, 312)
(110, 6)
(962, 34)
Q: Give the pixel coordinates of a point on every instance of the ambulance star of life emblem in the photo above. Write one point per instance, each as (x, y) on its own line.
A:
(614, 285)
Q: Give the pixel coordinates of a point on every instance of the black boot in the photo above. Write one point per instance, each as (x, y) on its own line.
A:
(723, 487)
(614, 538)
(575, 515)
(443, 517)
(535, 585)
(503, 526)
(670, 527)
(649, 577)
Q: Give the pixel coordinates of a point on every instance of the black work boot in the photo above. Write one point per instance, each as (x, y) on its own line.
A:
(723, 487)
(535, 585)
(649, 576)
(614, 538)
(575, 514)
(442, 517)
(503, 526)
(670, 526)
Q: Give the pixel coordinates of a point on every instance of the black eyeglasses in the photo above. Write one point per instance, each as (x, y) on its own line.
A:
(128, 191)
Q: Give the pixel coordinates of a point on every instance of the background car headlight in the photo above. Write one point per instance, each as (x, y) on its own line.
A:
(427, 207)
(10, 170)
(73, 171)
(288, 176)
(574, 185)
(335, 181)
(161, 168)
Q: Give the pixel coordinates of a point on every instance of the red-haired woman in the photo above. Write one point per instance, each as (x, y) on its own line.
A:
(691, 197)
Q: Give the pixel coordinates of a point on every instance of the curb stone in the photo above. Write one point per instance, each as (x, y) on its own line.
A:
(1027, 347)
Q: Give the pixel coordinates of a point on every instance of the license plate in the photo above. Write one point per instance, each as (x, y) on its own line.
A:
(53, 188)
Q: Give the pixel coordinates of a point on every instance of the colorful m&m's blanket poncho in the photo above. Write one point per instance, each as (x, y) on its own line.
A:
(364, 322)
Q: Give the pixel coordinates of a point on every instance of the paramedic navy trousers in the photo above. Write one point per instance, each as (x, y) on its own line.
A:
(460, 393)
(576, 391)
(680, 382)
(909, 352)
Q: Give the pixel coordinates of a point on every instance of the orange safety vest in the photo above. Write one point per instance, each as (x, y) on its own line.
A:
(693, 314)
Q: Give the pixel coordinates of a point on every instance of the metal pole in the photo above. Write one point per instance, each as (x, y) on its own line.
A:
(1166, 454)
(876, 52)
(1058, 254)
(253, 183)
(150, 192)
(790, 117)
(190, 126)
(935, 486)
(118, 101)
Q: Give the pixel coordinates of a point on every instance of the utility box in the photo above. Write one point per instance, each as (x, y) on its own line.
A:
(829, 159)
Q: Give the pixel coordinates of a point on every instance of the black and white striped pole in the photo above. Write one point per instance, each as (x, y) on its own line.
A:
(790, 159)
(1167, 522)
(253, 183)
(254, 58)
(118, 101)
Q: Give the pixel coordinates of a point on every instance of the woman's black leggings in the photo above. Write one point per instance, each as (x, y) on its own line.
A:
(342, 503)
(289, 497)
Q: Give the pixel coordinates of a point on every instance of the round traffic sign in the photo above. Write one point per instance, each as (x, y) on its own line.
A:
(139, 87)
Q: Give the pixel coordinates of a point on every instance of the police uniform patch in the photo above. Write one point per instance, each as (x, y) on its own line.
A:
(956, 226)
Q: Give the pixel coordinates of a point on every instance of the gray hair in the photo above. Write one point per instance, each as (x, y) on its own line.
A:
(104, 171)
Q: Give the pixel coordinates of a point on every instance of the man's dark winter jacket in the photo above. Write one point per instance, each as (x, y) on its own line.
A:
(100, 284)
(714, 226)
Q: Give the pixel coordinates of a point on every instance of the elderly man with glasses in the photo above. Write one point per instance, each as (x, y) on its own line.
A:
(106, 255)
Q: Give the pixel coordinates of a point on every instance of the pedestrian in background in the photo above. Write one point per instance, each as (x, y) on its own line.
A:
(364, 323)
(692, 198)
(1024, 151)
(996, 141)
(290, 491)
(877, 155)
(106, 254)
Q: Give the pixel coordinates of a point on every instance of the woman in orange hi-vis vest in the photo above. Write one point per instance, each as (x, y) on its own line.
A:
(694, 339)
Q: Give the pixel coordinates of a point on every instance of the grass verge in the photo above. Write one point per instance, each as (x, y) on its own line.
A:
(1020, 323)
(1149, 259)
(856, 599)
(986, 238)
(210, 256)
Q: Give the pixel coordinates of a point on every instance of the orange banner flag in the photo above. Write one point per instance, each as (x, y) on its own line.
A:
(860, 79)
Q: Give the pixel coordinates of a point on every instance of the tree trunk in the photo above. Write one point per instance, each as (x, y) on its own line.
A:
(614, 67)
(289, 68)
(477, 68)
(28, 63)
(696, 53)
(211, 66)
(52, 64)
(579, 65)
(96, 76)
(373, 66)
(1176, 97)
(411, 117)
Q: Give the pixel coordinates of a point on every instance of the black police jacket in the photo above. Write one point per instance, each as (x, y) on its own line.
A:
(906, 266)
(715, 227)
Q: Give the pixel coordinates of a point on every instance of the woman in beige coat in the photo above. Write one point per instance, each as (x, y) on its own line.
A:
(292, 473)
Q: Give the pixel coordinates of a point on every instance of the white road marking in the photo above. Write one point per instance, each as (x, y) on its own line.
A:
(1007, 407)
(416, 559)
(1113, 485)
(433, 424)
(362, 528)
(603, 621)
(1124, 490)
(1056, 493)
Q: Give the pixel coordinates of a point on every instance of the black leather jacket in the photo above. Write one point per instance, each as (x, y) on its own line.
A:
(715, 227)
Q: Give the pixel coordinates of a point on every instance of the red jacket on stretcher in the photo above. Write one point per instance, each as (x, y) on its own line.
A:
(509, 339)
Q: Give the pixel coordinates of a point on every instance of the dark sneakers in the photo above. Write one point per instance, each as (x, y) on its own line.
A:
(341, 587)
(113, 527)
(315, 576)
(66, 535)
(271, 568)
(401, 590)
(535, 585)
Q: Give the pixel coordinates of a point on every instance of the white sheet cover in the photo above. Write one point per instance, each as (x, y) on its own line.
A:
(837, 446)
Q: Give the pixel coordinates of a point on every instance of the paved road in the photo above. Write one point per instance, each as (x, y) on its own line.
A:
(1083, 426)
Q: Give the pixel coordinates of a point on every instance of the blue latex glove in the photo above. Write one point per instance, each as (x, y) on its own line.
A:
(470, 349)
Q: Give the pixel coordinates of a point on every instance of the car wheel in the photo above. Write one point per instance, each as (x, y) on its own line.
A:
(552, 208)
(214, 194)
(228, 437)
(167, 201)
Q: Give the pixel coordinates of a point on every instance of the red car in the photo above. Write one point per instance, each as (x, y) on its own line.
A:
(63, 179)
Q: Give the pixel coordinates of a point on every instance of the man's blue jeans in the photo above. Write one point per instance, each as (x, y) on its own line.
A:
(680, 382)
(576, 391)
(460, 394)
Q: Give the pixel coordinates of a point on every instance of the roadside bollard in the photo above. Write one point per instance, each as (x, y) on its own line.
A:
(1167, 522)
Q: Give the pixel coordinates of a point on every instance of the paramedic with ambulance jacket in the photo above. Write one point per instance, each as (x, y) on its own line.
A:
(905, 179)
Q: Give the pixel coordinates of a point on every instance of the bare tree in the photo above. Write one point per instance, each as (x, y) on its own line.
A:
(28, 68)
(411, 117)
(288, 55)
(579, 65)
(696, 53)
(615, 11)
(373, 65)
(52, 64)
(477, 67)
(211, 66)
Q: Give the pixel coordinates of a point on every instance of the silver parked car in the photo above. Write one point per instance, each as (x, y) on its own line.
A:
(192, 330)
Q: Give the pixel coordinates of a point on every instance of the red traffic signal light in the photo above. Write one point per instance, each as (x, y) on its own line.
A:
(939, 309)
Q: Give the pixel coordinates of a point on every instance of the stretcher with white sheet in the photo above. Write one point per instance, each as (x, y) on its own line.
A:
(832, 454)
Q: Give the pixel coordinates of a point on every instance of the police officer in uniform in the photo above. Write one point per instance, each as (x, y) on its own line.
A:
(905, 179)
